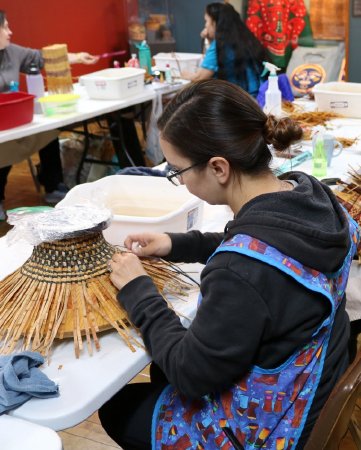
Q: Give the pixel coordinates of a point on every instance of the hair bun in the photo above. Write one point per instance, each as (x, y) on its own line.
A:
(281, 132)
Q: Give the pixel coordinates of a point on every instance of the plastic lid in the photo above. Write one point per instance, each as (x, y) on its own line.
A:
(33, 69)
(58, 98)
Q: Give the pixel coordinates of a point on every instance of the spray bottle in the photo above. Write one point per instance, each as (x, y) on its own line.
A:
(273, 104)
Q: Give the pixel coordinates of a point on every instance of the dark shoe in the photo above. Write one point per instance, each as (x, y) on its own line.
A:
(56, 195)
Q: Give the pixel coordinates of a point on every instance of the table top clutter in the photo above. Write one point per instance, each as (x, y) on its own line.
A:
(110, 368)
(115, 365)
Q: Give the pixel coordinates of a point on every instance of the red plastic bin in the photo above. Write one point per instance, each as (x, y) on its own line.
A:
(16, 108)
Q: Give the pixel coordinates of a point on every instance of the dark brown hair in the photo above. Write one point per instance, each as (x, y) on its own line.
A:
(217, 118)
(233, 35)
(2, 18)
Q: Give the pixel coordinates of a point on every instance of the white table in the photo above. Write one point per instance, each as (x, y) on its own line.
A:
(87, 109)
(86, 383)
(16, 434)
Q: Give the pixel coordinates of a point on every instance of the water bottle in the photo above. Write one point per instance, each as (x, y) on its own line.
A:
(168, 74)
(145, 58)
(319, 158)
(35, 85)
(14, 86)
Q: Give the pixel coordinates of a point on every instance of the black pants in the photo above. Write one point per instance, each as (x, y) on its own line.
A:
(127, 417)
(51, 172)
(130, 140)
(355, 330)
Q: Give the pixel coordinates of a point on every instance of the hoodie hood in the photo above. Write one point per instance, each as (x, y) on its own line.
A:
(307, 223)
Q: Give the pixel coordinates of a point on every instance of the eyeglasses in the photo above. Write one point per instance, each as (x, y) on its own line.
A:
(174, 176)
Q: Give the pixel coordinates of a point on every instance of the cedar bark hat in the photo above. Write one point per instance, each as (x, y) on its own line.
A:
(64, 288)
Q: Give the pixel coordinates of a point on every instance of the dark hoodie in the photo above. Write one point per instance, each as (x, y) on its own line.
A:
(251, 313)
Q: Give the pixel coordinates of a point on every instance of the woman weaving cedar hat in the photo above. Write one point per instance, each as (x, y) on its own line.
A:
(269, 340)
(14, 60)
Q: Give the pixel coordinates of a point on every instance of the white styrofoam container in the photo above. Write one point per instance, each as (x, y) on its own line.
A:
(114, 83)
(177, 60)
(340, 97)
(140, 204)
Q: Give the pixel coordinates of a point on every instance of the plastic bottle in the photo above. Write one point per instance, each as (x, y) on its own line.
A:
(319, 158)
(134, 61)
(145, 58)
(168, 74)
(273, 96)
(14, 86)
(35, 85)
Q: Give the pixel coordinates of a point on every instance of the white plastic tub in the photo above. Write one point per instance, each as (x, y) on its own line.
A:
(339, 97)
(178, 61)
(115, 83)
(140, 203)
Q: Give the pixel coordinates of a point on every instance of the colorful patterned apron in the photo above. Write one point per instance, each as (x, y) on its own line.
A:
(266, 408)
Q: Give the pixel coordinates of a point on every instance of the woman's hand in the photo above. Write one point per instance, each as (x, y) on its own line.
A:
(204, 33)
(82, 58)
(149, 244)
(125, 267)
(200, 74)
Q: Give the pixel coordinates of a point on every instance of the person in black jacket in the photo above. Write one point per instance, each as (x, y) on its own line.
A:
(269, 341)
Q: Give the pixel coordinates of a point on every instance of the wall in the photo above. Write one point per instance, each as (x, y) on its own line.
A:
(96, 26)
(191, 13)
(354, 61)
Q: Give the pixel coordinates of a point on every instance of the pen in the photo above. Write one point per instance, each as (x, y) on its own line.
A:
(107, 55)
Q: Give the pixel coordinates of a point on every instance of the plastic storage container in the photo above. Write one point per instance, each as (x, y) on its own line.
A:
(59, 104)
(35, 85)
(339, 97)
(16, 108)
(115, 83)
(178, 62)
(140, 204)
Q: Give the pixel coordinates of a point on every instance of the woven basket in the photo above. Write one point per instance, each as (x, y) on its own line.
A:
(64, 290)
(57, 68)
(350, 198)
(328, 19)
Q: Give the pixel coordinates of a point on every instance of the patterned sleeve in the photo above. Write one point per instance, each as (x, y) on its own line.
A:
(210, 58)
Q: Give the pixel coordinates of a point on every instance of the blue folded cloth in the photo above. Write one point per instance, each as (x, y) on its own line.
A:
(20, 379)
(146, 171)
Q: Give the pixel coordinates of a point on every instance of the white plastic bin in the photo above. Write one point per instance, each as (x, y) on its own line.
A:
(140, 203)
(178, 61)
(339, 97)
(114, 83)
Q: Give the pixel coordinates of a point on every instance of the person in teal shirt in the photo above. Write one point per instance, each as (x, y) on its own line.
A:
(234, 54)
